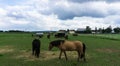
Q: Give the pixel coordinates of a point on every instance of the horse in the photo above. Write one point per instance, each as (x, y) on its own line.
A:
(48, 36)
(65, 45)
(36, 47)
(59, 35)
(66, 37)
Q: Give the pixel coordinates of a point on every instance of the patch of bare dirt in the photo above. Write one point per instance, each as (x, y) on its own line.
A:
(6, 49)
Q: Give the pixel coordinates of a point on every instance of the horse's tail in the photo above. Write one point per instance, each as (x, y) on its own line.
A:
(84, 49)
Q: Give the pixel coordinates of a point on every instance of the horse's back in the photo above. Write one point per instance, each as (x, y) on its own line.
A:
(68, 45)
(36, 43)
(72, 45)
(78, 43)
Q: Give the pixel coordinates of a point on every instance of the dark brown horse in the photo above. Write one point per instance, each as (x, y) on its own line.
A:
(48, 36)
(36, 47)
(65, 45)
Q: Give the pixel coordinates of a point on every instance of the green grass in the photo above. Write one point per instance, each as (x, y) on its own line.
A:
(14, 47)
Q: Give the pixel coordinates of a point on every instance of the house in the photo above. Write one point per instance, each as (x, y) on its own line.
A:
(71, 31)
(62, 31)
(80, 30)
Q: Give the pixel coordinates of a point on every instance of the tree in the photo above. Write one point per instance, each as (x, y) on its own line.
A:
(108, 29)
(100, 30)
(68, 30)
(96, 30)
(103, 30)
(117, 30)
(88, 30)
(1, 30)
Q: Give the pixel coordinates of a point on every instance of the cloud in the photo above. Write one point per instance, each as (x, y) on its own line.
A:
(68, 10)
(82, 1)
(59, 14)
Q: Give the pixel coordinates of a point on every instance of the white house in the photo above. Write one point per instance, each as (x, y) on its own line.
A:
(71, 31)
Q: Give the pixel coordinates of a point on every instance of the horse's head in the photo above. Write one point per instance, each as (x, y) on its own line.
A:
(55, 43)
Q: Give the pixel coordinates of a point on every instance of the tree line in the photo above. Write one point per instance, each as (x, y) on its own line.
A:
(103, 30)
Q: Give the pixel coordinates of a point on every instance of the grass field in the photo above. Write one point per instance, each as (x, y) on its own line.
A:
(112, 36)
(15, 50)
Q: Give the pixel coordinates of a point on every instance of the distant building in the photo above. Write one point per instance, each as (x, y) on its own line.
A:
(93, 31)
(62, 31)
(80, 30)
(71, 31)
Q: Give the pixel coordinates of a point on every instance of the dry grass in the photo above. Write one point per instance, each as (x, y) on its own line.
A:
(6, 49)
(45, 55)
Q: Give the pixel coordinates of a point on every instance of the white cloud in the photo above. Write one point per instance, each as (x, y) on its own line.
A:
(2, 12)
(59, 14)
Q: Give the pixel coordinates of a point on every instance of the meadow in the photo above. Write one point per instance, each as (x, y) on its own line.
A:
(15, 50)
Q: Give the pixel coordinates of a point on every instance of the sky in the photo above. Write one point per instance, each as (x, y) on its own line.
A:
(40, 15)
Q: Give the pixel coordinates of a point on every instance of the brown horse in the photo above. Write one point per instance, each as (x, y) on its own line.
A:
(65, 45)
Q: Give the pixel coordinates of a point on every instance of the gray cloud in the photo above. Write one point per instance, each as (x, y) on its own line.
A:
(59, 14)
(91, 9)
(68, 10)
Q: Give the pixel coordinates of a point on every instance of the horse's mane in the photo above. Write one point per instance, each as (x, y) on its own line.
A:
(57, 42)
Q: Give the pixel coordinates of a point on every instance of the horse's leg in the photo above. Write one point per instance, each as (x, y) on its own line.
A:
(60, 54)
(83, 56)
(65, 55)
(37, 53)
(78, 55)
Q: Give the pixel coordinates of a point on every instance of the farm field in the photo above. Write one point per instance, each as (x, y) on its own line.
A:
(15, 50)
(112, 36)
